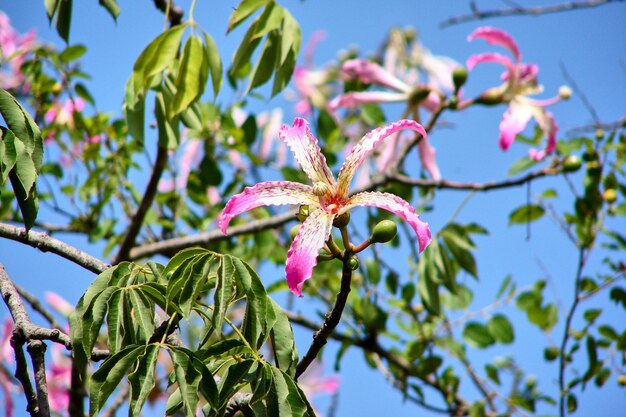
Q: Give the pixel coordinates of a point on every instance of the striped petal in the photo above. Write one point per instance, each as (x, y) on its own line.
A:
(362, 149)
(496, 37)
(513, 122)
(396, 205)
(306, 151)
(427, 156)
(372, 73)
(269, 193)
(474, 60)
(302, 255)
(360, 98)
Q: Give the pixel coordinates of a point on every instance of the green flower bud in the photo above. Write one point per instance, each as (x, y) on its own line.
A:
(354, 263)
(303, 213)
(419, 95)
(621, 380)
(294, 231)
(459, 77)
(342, 220)
(609, 195)
(599, 134)
(572, 163)
(384, 231)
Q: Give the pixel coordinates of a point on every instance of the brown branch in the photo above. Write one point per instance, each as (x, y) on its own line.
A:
(136, 222)
(477, 14)
(46, 243)
(37, 401)
(320, 337)
(170, 246)
(174, 13)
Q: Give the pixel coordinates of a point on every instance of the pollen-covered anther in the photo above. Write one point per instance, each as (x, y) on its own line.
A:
(321, 189)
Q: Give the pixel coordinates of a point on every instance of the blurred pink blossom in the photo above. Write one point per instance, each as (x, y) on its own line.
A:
(63, 114)
(15, 48)
(520, 81)
(59, 376)
(58, 303)
(7, 387)
(314, 383)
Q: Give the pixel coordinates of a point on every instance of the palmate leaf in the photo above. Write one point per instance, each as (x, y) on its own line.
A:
(141, 380)
(283, 344)
(193, 74)
(192, 377)
(244, 10)
(110, 374)
(290, 399)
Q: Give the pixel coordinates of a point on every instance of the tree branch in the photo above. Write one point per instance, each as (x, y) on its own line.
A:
(136, 222)
(173, 245)
(174, 13)
(523, 11)
(320, 337)
(46, 243)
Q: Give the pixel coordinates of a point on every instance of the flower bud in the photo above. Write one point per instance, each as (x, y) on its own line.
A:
(383, 232)
(294, 231)
(572, 163)
(609, 195)
(599, 134)
(565, 92)
(354, 263)
(342, 220)
(621, 380)
(418, 95)
(303, 213)
(459, 77)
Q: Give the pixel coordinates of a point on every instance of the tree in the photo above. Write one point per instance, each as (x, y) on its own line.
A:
(202, 281)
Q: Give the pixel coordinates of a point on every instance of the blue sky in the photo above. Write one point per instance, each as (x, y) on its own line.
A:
(588, 43)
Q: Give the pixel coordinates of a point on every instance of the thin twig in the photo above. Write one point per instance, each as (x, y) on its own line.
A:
(136, 222)
(320, 337)
(477, 14)
(46, 243)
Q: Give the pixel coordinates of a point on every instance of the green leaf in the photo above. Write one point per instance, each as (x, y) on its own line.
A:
(51, 7)
(224, 291)
(477, 335)
(592, 314)
(504, 286)
(72, 53)
(192, 377)
(141, 380)
(492, 373)
(155, 58)
(572, 403)
(526, 214)
(291, 400)
(64, 19)
(192, 75)
(501, 329)
(232, 378)
(215, 63)
(283, 343)
(264, 67)
(112, 7)
(521, 165)
(109, 376)
(169, 133)
(243, 11)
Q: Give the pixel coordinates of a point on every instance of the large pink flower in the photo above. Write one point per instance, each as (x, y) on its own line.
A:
(327, 198)
(520, 80)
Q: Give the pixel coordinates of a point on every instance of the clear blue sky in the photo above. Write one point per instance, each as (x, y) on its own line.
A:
(589, 43)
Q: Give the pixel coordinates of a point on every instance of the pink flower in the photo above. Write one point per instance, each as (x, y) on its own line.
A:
(58, 303)
(327, 198)
(7, 387)
(520, 80)
(59, 379)
(313, 382)
(15, 48)
(63, 114)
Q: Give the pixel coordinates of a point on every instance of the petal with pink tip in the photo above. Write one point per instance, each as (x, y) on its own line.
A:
(372, 73)
(474, 60)
(396, 205)
(356, 99)
(513, 122)
(306, 151)
(548, 125)
(362, 149)
(269, 193)
(302, 255)
(496, 37)
(427, 156)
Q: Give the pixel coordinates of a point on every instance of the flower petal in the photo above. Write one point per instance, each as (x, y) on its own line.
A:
(356, 99)
(474, 60)
(306, 151)
(396, 205)
(427, 156)
(372, 73)
(362, 149)
(302, 255)
(548, 125)
(496, 37)
(266, 194)
(514, 121)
